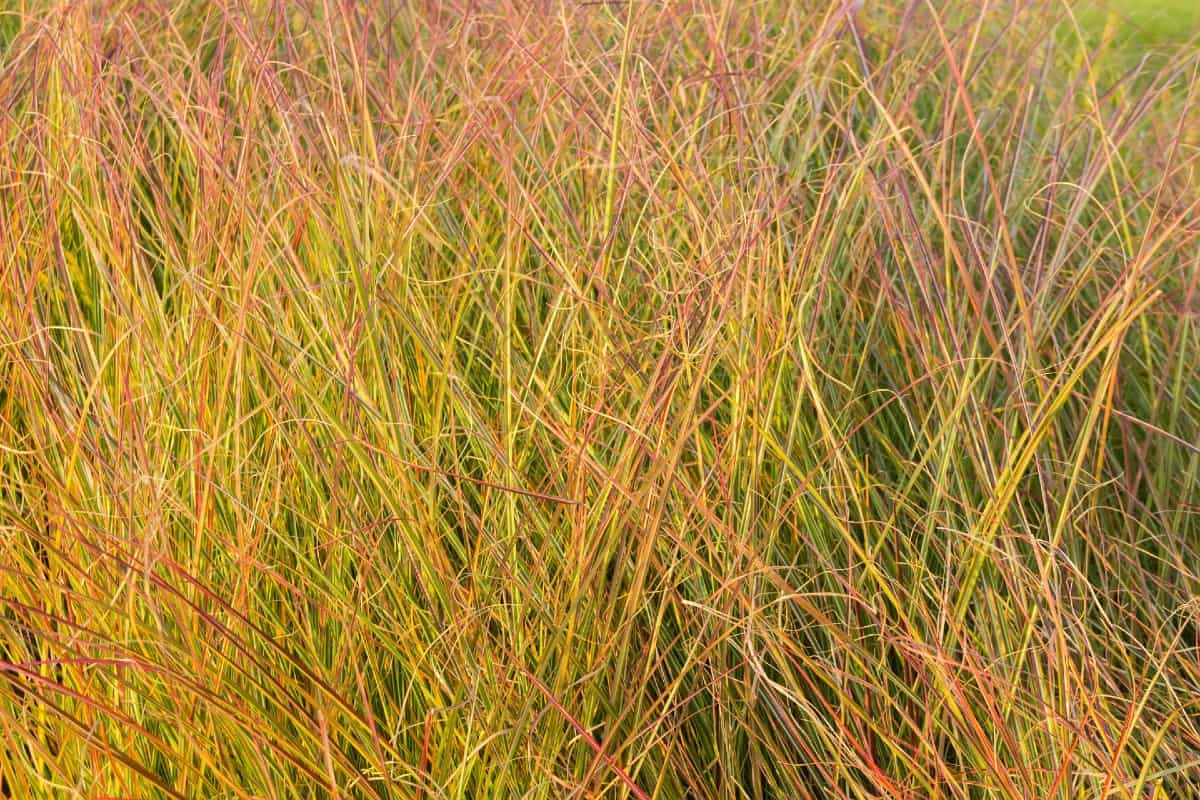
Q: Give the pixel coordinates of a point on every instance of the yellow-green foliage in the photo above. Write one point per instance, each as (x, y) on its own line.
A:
(1144, 22)
(685, 400)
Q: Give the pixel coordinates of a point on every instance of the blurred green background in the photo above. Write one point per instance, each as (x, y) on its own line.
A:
(1147, 22)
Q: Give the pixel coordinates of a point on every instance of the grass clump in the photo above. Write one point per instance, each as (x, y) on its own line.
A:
(648, 400)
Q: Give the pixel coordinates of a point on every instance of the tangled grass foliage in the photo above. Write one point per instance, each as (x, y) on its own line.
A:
(679, 400)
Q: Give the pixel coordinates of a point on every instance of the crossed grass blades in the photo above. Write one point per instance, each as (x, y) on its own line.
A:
(563, 400)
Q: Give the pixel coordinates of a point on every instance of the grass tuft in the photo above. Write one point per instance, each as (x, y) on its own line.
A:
(567, 399)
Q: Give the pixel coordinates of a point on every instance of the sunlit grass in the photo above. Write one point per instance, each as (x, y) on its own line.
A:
(568, 400)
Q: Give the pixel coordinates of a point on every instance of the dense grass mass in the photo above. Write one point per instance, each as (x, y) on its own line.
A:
(683, 400)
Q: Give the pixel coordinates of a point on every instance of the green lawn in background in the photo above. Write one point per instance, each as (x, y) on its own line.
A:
(1146, 22)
